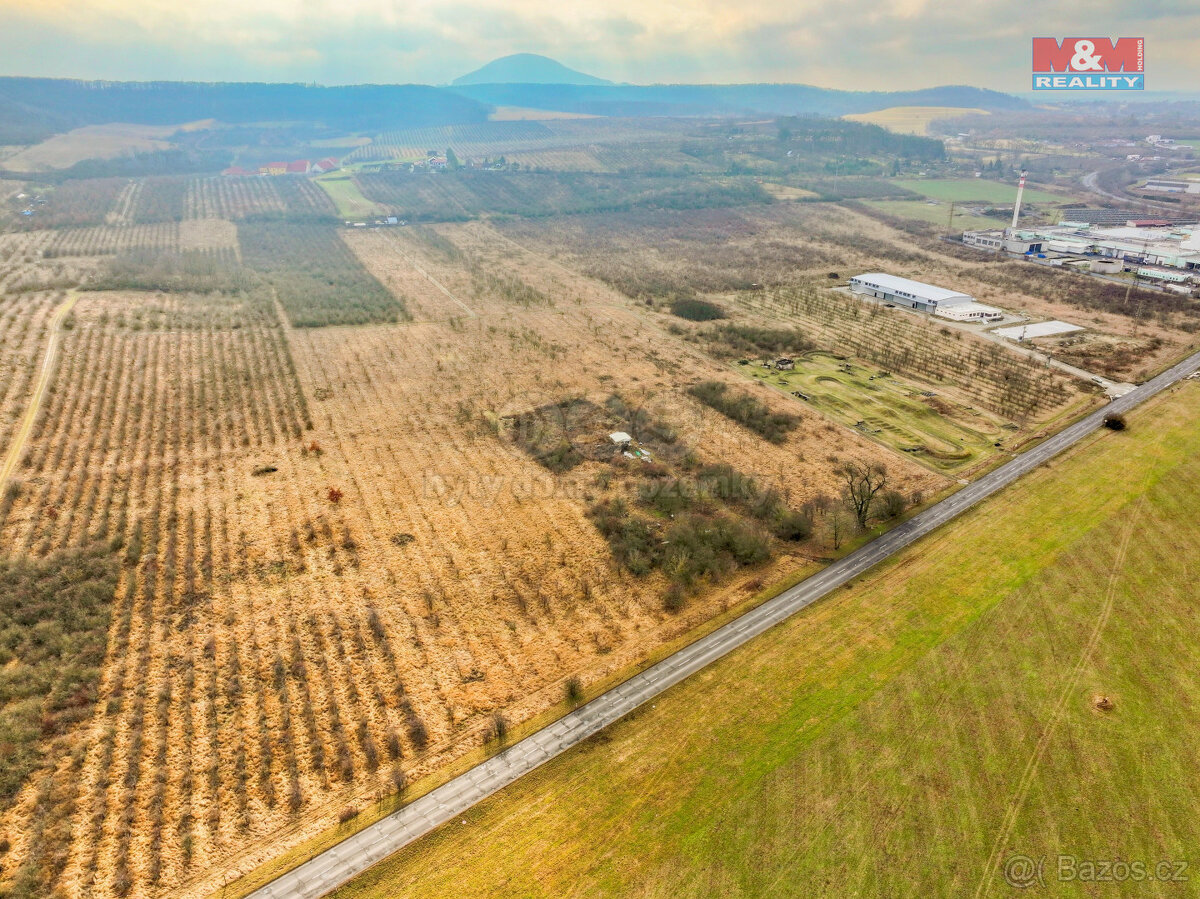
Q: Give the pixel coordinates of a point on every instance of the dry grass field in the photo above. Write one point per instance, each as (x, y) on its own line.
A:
(91, 142)
(355, 489)
(912, 119)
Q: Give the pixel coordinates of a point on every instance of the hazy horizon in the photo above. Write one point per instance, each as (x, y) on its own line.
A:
(859, 45)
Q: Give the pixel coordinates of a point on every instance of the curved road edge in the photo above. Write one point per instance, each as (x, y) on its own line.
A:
(360, 851)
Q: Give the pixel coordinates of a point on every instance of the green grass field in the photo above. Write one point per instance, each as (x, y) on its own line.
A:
(935, 215)
(346, 196)
(942, 434)
(964, 190)
(911, 734)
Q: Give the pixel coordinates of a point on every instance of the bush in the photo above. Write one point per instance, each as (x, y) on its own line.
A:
(697, 310)
(1115, 421)
(499, 729)
(54, 621)
(754, 340)
(748, 411)
(347, 814)
(629, 537)
(574, 690)
(792, 526)
(894, 504)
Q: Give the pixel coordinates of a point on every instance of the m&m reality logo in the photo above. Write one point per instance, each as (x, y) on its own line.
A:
(1089, 64)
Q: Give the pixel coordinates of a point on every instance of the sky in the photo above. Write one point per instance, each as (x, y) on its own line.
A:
(849, 44)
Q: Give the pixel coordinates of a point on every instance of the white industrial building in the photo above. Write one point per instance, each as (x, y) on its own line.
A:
(1146, 244)
(949, 304)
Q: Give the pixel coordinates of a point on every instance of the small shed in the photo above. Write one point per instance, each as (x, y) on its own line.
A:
(621, 439)
(785, 364)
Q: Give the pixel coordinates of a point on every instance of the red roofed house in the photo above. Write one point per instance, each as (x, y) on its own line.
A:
(298, 167)
(274, 168)
(325, 165)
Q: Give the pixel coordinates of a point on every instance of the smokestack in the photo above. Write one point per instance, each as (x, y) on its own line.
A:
(1020, 191)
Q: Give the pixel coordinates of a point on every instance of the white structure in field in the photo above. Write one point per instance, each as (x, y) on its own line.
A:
(949, 304)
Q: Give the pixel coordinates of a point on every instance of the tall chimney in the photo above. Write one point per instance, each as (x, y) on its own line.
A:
(1020, 191)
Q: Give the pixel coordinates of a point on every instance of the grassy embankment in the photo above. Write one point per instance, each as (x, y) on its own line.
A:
(910, 734)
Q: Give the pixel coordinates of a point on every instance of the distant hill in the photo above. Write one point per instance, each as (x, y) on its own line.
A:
(726, 99)
(37, 107)
(527, 68)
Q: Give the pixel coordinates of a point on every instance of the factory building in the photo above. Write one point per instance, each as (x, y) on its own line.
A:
(1137, 243)
(950, 304)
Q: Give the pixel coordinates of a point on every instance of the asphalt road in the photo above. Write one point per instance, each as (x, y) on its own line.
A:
(357, 853)
(1091, 181)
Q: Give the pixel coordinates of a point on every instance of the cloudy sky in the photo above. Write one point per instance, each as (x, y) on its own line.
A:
(860, 44)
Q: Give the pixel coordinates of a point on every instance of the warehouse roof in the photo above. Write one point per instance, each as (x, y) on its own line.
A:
(915, 289)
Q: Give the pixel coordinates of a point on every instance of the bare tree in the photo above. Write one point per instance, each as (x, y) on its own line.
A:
(838, 522)
(861, 482)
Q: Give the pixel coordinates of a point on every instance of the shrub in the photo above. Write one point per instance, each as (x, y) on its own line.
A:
(755, 340)
(893, 504)
(792, 526)
(630, 538)
(748, 411)
(574, 690)
(498, 732)
(347, 814)
(696, 310)
(1115, 421)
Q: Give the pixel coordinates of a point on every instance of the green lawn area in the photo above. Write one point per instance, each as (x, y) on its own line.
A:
(910, 734)
(935, 215)
(962, 190)
(938, 432)
(346, 196)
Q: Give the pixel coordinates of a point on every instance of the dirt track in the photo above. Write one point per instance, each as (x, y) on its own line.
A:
(21, 435)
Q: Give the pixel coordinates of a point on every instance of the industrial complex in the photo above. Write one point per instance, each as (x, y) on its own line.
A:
(1163, 250)
(1152, 249)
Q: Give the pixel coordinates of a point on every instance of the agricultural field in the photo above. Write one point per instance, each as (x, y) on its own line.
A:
(521, 113)
(912, 119)
(993, 692)
(315, 276)
(288, 445)
(963, 190)
(721, 254)
(343, 190)
(509, 135)
(312, 606)
(463, 195)
(936, 213)
(91, 142)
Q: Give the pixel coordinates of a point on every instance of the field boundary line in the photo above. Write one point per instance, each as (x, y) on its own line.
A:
(361, 850)
(21, 434)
